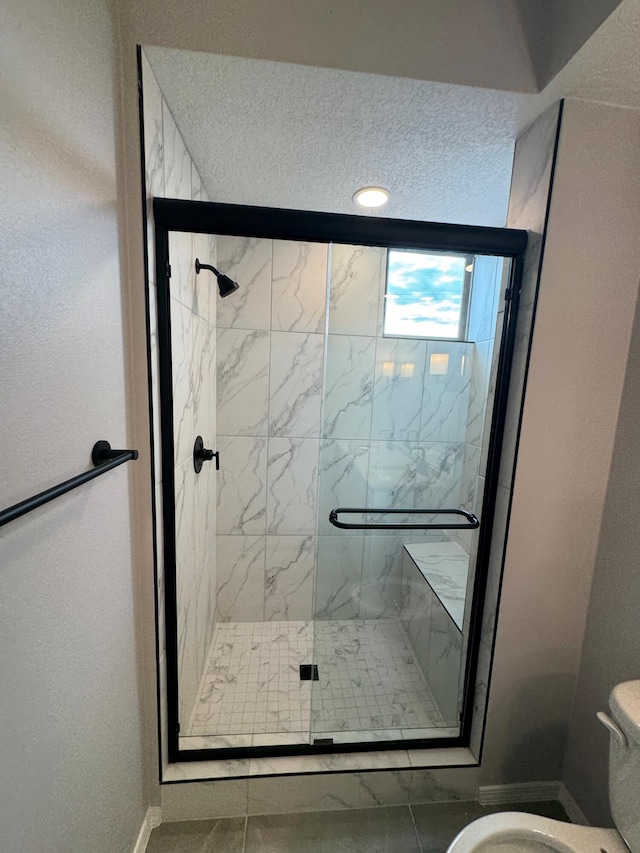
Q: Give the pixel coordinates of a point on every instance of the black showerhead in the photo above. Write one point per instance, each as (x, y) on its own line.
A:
(226, 285)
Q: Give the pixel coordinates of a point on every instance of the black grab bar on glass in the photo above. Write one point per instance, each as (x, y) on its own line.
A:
(471, 518)
(103, 458)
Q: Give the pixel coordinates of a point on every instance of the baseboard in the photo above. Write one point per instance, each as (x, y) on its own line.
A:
(527, 792)
(573, 810)
(152, 819)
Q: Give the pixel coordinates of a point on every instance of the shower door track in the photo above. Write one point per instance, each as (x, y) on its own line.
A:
(272, 223)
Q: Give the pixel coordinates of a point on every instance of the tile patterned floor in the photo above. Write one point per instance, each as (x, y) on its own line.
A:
(369, 684)
(428, 828)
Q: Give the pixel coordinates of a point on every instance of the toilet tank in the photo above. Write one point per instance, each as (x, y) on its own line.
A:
(624, 763)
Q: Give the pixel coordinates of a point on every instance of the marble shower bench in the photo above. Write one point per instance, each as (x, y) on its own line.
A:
(434, 583)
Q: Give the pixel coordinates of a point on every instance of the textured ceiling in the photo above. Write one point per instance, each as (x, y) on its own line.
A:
(283, 135)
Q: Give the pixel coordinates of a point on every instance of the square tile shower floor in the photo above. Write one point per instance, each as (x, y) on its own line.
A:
(369, 685)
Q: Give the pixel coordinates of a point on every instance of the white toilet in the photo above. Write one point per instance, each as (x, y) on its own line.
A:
(515, 832)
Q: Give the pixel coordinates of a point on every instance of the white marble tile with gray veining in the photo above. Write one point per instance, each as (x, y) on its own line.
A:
(241, 571)
(299, 286)
(338, 575)
(469, 480)
(348, 386)
(445, 645)
(183, 333)
(295, 387)
(243, 382)
(478, 391)
(355, 285)
(177, 162)
(438, 475)
(242, 484)
(153, 134)
(392, 474)
(343, 469)
(399, 384)
(445, 567)
(246, 260)
(531, 173)
(380, 592)
(292, 484)
(446, 391)
(290, 565)
(204, 283)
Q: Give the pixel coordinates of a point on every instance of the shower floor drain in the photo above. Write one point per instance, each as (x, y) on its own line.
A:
(308, 672)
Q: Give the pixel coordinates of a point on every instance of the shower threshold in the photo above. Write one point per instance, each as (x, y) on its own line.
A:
(369, 687)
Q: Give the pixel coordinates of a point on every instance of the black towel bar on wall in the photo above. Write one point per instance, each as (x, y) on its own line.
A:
(103, 458)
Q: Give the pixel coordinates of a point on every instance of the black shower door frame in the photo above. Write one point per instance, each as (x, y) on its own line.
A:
(300, 225)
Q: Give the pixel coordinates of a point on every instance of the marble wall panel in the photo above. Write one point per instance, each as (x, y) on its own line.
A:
(446, 394)
(169, 171)
(248, 261)
(438, 476)
(299, 286)
(242, 485)
(290, 562)
(478, 390)
(343, 472)
(398, 391)
(243, 382)
(348, 386)
(292, 484)
(381, 586)
(357, 275)
(445, 645)
(469, 481)
(295, 384)
(338, 576)
(177, 162)
(241, 578)
(415, 610)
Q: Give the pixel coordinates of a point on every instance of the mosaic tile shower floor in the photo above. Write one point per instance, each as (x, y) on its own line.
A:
(369, 687)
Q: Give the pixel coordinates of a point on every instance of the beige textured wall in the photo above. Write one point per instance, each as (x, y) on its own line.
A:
(580, 345)
(71, 739)
(451, 41)
(611, 650)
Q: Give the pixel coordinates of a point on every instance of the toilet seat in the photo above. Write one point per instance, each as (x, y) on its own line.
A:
(518, 832)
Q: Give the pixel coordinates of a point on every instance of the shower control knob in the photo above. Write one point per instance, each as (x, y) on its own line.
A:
(203, 454)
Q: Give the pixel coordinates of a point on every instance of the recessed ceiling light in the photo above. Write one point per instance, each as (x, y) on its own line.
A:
(371, 197)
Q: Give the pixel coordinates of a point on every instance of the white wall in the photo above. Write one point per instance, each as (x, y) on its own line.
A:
(71, 735)
(581, 339)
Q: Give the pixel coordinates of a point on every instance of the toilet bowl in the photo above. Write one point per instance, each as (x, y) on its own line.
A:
(518, 832)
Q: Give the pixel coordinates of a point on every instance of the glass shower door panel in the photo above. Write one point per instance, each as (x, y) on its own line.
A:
(403, 427)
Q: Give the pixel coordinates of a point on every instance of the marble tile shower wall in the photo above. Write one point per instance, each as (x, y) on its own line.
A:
(308, 421)
(170, 172)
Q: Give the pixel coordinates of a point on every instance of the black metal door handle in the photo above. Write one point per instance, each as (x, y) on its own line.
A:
(203, 454)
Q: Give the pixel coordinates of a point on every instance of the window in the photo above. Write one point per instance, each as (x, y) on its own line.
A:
(427, 294)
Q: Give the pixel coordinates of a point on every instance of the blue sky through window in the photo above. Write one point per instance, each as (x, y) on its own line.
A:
(424, 294)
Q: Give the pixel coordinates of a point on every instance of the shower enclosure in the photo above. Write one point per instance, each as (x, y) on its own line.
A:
(325, 560)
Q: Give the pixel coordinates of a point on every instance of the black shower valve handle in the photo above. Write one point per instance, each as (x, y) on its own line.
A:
(203, 454)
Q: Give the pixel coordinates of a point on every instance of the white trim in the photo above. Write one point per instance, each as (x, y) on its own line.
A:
(152, 819)
(573, 810)
(526, 792)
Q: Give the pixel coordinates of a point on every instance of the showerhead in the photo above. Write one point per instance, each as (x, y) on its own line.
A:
(226, 285)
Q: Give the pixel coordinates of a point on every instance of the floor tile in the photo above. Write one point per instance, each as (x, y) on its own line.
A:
(380, 830)
(225, 835)
(369, 682)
